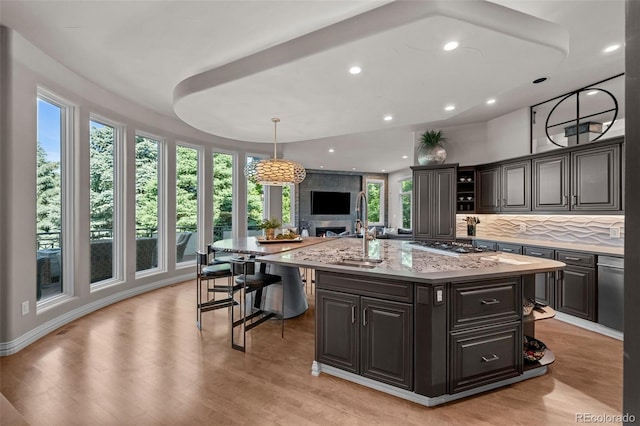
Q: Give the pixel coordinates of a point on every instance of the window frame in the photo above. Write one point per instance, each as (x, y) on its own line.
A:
(199, 192)
(381, 182)
(402, 194)
(68, 111)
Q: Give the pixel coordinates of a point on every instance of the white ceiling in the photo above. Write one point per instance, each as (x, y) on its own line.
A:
(227, 67)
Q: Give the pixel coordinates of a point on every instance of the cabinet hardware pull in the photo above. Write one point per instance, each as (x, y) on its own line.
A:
(536, 253)
(566, 200)
(498, 203)
(490, 358)
(504, 202)
(575, 199)
(364, 316)
(490, 302)
(508, 250)
(571, 258)
(353, 314)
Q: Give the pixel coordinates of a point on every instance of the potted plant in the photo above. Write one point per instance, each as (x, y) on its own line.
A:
(430, 149)
(270, 226)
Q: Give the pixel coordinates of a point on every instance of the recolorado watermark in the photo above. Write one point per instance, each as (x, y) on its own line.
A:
(605, 418)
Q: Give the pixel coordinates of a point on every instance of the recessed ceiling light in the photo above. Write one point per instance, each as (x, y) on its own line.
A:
(322, 167)
(539, 80)
(353, 168)
(383, 170)
(404, 157)
(611, 48)
(388, 118)
(449, 108)
(491, 101)
(451, 45)
(592, 92)
(355, 70)
(332, 150)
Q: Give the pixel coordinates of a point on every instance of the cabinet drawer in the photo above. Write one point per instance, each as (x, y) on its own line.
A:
(485, 302)
(365, 286)
(510, 248)
(576, 258)
(484, 356)
(487, 245)
(539, 252)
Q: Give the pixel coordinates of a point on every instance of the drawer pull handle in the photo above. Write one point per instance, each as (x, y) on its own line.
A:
(490, 302)
(490, 358)
(536, 253)
(508, 250)
(572, 258)
(353, 314)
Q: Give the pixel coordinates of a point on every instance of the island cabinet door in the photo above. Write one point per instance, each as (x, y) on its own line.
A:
(387, 342)
(337, 330)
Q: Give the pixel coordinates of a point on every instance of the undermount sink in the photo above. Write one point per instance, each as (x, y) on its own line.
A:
(360, 262)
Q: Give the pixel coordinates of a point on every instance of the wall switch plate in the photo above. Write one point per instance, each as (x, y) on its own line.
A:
(438, 295)
(523, 227)
(614, 232)
(25, 307)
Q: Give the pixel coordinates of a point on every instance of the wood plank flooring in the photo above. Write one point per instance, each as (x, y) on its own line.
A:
(143, 361)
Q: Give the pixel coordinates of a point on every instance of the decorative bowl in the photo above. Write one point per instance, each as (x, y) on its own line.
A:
(534, 349)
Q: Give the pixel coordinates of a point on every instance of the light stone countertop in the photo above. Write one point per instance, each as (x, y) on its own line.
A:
(401, 260)
(592, 248)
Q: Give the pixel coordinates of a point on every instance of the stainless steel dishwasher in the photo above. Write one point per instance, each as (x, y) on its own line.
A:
(611, 292)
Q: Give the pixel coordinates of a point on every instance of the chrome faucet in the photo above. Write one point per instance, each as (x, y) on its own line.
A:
(361, 223)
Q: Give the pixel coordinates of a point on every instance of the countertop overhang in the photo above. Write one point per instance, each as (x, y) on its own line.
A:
(402, 260)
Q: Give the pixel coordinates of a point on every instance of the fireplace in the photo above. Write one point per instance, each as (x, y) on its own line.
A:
(322, 230)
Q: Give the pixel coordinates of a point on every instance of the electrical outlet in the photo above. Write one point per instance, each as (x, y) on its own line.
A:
(25, 307)
(614, 232)
(523, 227)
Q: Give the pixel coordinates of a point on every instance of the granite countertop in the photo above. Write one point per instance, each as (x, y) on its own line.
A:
(251, 245)
(401, 260)
(592, 248)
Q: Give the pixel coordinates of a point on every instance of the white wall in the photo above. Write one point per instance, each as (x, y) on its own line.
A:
(24, 69)
(508, 136)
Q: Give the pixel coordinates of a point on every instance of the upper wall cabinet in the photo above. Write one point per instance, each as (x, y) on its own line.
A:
(434, 206)
(582, 180)
(505, 187)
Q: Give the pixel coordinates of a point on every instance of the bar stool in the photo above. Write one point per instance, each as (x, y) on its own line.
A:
(210, 272)
(217, 259)
(249, 281)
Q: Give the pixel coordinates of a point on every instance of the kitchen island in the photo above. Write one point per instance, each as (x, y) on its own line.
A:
(422, 325)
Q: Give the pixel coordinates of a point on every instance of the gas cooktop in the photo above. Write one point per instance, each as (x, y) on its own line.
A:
(449, 248)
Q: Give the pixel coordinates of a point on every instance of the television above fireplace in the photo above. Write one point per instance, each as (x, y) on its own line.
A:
(329, 202)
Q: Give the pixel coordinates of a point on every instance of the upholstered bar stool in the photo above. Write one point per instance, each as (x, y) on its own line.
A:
(210, 273)
(248, 281)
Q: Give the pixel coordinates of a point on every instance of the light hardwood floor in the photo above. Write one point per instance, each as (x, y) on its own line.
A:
(143, 362)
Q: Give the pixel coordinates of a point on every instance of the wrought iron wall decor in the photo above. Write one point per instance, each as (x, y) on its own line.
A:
(581, 116)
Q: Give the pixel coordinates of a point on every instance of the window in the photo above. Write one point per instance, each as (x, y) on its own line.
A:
(222, 195)
(186, 203)
(255, 203)
(288, 203)
(103, 199)
(375, 201)
(406, 199)
(147, 202)
(53, 145)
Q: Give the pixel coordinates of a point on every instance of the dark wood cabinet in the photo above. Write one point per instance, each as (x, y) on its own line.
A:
(434, 206)
(510, 248)
(596, 179)
(488, 189)
(387, 341)
(364, 335)
(505, 187)
(588, 179)
(551, 183)
(486, 355)
(516, 186)
(545, 287)
(576, 285)
(338, 330)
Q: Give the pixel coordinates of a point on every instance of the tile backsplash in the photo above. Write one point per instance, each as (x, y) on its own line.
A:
(585, 229)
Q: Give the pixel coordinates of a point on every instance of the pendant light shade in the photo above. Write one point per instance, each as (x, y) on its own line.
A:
(275, 172)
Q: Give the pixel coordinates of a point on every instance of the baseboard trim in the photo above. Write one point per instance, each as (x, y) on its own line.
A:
(317, 368)
(589, 325)
(16, 345)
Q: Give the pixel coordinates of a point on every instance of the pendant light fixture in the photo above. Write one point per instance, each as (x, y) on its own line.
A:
(275, 172)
